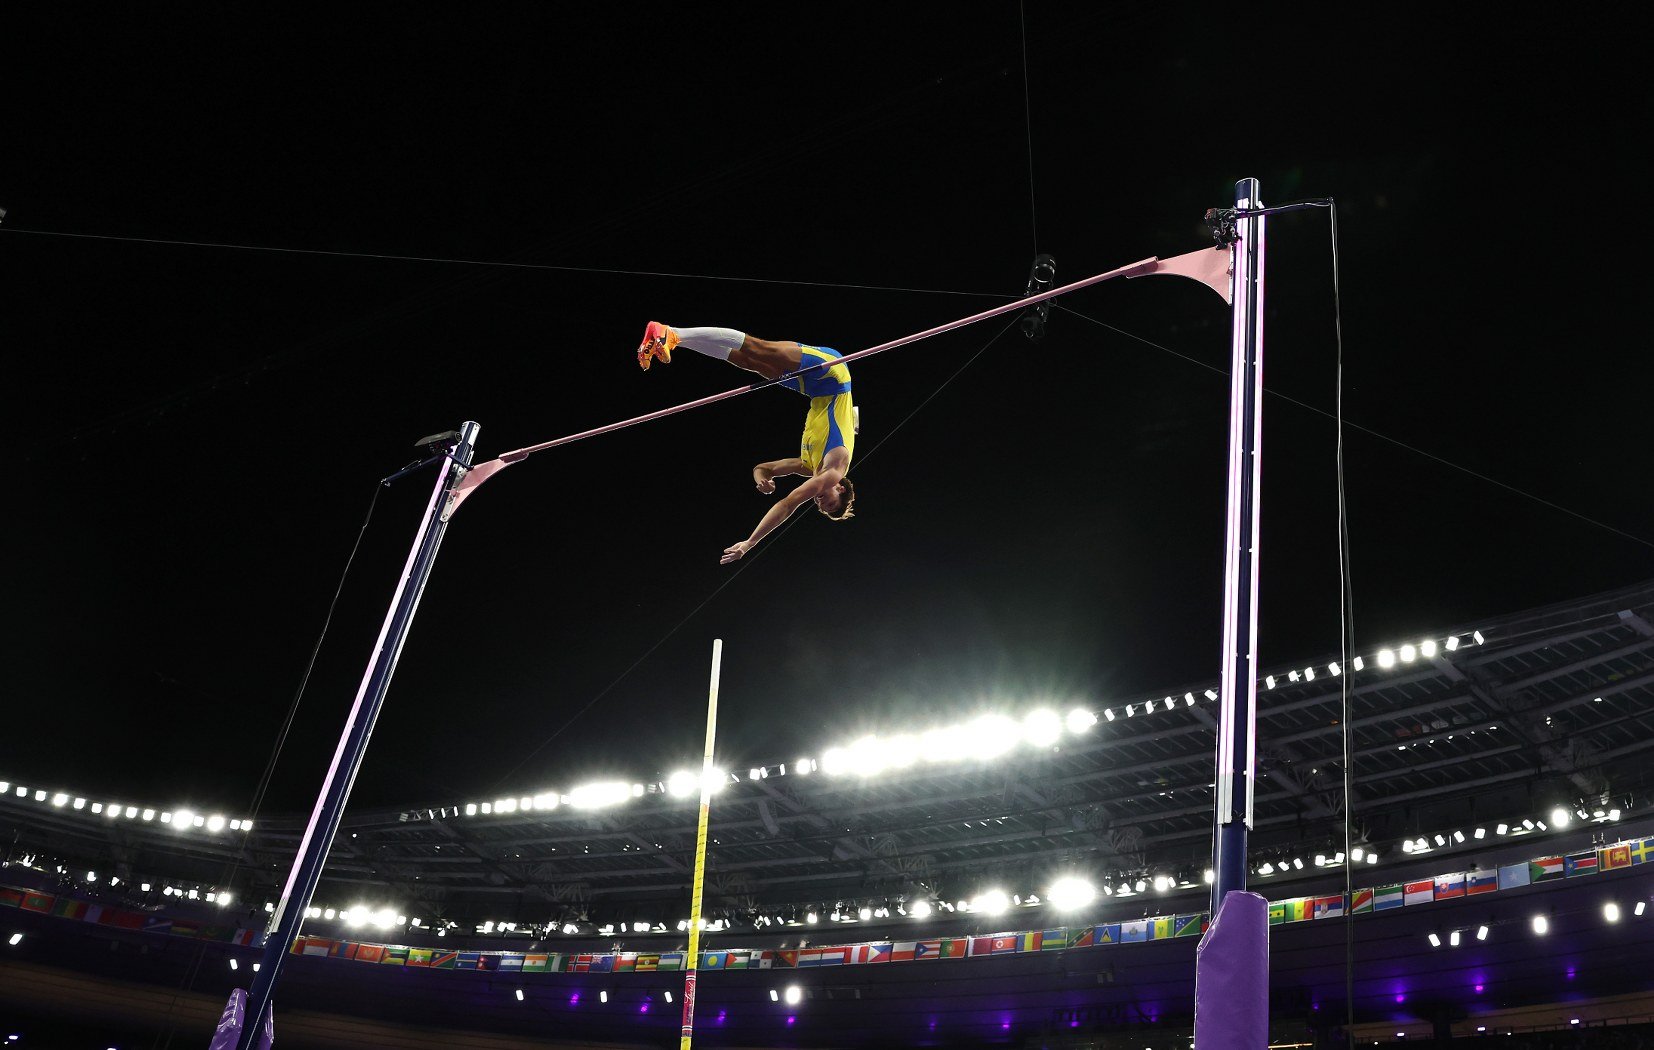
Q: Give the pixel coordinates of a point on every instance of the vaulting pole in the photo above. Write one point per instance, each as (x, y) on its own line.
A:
(353, 743)
(707, 773)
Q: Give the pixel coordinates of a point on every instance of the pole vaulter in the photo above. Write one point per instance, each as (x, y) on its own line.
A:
(1233, 269)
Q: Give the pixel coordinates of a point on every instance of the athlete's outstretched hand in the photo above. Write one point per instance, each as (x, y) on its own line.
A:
(734, 553)
(764, 480)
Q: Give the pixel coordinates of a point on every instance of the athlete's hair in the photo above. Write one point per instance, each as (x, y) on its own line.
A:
(847, 501)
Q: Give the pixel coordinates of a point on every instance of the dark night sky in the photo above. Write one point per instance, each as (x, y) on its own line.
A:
(198, 430)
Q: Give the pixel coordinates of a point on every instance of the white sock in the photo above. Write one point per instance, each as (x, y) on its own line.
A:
(713, 342)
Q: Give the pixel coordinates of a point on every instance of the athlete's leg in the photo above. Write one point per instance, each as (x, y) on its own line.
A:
(772, 360)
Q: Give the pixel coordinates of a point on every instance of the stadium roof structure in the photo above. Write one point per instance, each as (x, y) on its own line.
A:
(1461, 738)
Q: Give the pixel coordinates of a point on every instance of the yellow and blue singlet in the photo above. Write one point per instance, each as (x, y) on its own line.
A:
(828, 424)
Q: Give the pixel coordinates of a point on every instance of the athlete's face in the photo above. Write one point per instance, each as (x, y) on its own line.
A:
(830, 501)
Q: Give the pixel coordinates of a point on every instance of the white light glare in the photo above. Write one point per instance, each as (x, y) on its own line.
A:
(1435, 941)
(1210, 876)
(1386, 659)
(1611, 912)
(1541, 925)
(1453, 938)
(919, 909)
(1069, 893)
(598, 795)
(1481, 933)
(519, 995)
(1559, 817)
(1640, 908)
(1427, 648)
(1408, 654)
(1042, 728)
(993, 902)
(794, 994)
(1079, 720)
(15, 939)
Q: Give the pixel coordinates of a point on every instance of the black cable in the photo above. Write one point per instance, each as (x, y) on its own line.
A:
(1028, 122)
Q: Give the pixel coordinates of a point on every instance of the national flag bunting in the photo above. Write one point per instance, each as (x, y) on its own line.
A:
(1514, 876)
(1420, 892)
(1545, 869)
(1642, 851)
(1584, 863)
(1362, 902)
(1189, 925)
(1387, 897)
(450, 961)
(370, 953)
(1450, 886)
(1053, 939)
(904, 951)
(1030, 941)
(1160, 928)
(1133, 931)
(1108, 933)
(1082, 936)
(1327, 907)
(1481, 881)
(1616, 856)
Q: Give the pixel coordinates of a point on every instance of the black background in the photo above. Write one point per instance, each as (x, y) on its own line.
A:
(197, 431)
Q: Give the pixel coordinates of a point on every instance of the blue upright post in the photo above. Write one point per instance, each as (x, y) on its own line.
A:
(1238, 694)
(353, 744)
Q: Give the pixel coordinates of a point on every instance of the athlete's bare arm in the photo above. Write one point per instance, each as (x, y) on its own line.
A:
(764, 474)
(781, 510)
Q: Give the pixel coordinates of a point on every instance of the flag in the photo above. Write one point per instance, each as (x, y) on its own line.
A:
(1082, 937)
(1277, 914)
(902, 951)
(1050, 939)
(1481, 882)
(1420, 892)
(670, 961)
(1616, 856)
(10, 898)
(124, 920)
(625, 962)
(872, 953)
(1136, 930)
(1450, 886)
(824, 956)
(712, 960)
(1513, 875)
(1160, 928)
(603, 964)
(470, 960)
(1642, 851)
(1108, 933)
(536, 963)
(953, 948)
(1030, 942)
(1580, 863)
(789, 958)
(1189, 925)
(1363, 902)
(419, 957)
(1544, 869)
(38, 902)
(69, 908)
(369, 953)
(1004, 944)
(763, 960)
(344, 950)
(1327, 907)
(639, 963)
(393, 955)
(737, 960)
(1297, 910)
(1387, 897)
(450, 961)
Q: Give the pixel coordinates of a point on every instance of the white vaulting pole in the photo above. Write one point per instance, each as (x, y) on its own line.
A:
(707, 774)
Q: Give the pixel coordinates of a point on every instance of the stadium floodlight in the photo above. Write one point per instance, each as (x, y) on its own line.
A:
(599, 794)
(1611, 912)
(991, 736)
(1210, 876)
(1372, 856)
(919, 909)
(1386, 659)
(1357, 853)
(1358, 663)
(1108, 713)
(1500, 829)
(1640, 908)
(681, 784)
(1478, 636)
(1458, 836)
(1440, 841)
(1541, 925)
(812, 918)
(864, 913)
(1266, 868)
(1041, 727)
(215, 823)
(793, 995)
(1269, 680)
(1079, 720)
(1309, 674)
(775, 995)
(1408, 653)
(1481, 933)
(1435, 940)
(1453, 938)
(1559, 817)
(60, 799)
(991, 902)
(1427, 648)
(183, 818)
(1334, 670)
(1069, 893)
(1481, 833)
(519, 995)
